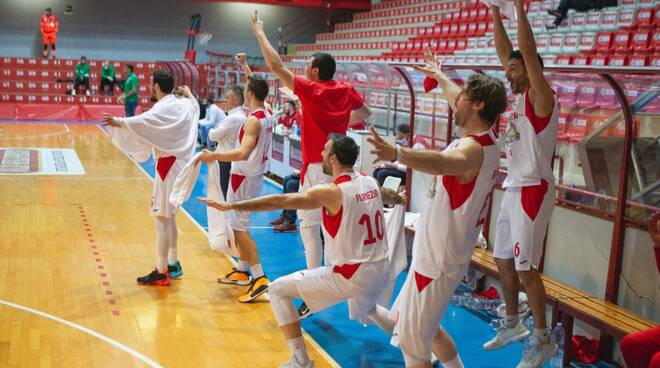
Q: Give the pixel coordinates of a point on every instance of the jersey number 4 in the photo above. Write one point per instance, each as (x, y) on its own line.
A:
(365, 220)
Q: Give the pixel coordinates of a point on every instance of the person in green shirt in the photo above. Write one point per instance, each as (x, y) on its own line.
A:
(82, 76)
(107, 78)
(130, 96)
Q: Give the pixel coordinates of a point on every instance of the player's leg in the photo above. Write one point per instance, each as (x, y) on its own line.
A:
(159, 276)
(173, 265)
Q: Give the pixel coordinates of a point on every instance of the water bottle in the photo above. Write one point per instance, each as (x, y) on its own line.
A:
(558, 336)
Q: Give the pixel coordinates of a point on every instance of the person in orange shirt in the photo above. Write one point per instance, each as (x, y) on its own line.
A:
(49, 27)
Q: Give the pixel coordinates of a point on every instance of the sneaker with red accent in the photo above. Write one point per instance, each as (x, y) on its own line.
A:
(286, 227)
(278, 221)
(155, 278)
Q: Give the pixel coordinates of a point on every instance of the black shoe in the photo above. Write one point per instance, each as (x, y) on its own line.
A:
(278, 221)
(304, 312)
(154, 278)
(555, 13)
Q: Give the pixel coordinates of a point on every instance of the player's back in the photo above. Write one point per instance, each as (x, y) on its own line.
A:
(356, 234)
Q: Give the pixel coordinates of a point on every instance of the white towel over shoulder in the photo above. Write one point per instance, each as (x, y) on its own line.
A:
(507, 7)
(221, 237)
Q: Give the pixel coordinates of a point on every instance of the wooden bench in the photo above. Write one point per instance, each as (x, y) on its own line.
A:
(569, 303)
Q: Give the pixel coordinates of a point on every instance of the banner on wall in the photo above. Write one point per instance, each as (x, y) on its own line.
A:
(40, 161)
(295, 154)
(277, 153)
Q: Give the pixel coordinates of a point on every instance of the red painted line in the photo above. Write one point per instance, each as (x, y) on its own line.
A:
(106, 283)
(98, 259)
(94, 246)
(108, 292)
(100, 267)
(112, 302)
(115, 312)
(104, 275)
(96, 253)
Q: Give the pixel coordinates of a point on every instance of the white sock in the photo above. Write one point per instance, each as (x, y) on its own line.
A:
(542, 335)
(162, 243)
(243, 266)
(512, 321)
(257, 271)
(454, 363)
(311, 237)
(172, 254)
(299, 350)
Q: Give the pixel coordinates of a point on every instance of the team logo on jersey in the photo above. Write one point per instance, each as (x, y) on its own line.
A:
(512, 134)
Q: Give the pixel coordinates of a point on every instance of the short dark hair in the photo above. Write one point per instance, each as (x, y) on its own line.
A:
(164, 79)
(326, 64)
(345, 148)
(258, 86)
(293, 104)
(130, 67)
(238, 91)
(516, 54)
(83, 58)
(491, 92)
(403, 128)
(48, 9)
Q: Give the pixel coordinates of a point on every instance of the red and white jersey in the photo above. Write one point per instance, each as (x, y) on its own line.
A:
(257, 163)
(451, 221)
(356, 234)
(530, 144)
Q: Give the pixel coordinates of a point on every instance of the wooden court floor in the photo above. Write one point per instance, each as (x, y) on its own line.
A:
(72, 246)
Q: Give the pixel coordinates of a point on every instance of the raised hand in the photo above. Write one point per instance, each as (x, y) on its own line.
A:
(432, 67)
(109, 120)
(383, 150)
(241, 59)
(257, 23)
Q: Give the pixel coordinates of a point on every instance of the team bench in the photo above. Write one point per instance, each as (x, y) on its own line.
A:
(569, 303)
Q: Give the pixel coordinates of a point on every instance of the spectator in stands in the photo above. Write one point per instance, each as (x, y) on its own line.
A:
(107, 79)
(286, 222)
(82, 76)
(578, 5)
(214, 115)
(130, 96)
(289, 117)
(49, 26)
(395, 168)
(203, 106)
(227, 132)
(642, 349)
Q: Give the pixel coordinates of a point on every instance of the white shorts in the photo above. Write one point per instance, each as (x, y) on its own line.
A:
(523, 223)
(313, 176)
(242, 188)
(166, 173)
(417, 311)
(326, 286)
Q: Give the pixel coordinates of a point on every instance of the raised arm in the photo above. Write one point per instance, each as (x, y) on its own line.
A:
(433, 69)
(241, 59)
(541, 94)
(502, 43)
(360, 114)
(273, 60)
(463, 160)
(327, 195)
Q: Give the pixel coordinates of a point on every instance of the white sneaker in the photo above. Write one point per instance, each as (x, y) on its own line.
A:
(538, 354)
(293, 363)
(73, 92)
(87, 93)
(505, 336)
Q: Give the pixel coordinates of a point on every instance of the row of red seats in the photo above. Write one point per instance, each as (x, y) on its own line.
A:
(57, 64)
(58, 98)
(346, 46)
(389, 22)
(11, 86)
(396, 32)
(434, 7)
(36, 75)
(641, 41)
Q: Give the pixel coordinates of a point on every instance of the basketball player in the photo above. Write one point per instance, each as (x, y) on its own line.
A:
(531, 135)
(248, 159)
(328, 106)
(49, 25)
(357, 266)
(451, 220)
(170, 126)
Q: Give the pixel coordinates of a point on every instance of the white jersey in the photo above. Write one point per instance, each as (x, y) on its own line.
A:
(451, 221)
(257, 163)
(356, 234)
(530, 144)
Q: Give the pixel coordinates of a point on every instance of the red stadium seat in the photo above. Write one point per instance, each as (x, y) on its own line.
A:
(604, 42)
(617, 60)
(621, 41)
(641, 41)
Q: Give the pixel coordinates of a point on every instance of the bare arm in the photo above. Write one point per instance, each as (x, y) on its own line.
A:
(241, 59)
(360, 114)
(541, 94)
(273, 60)
(251, 131)
(391, 197)
(463, 160)
(433, 69)
(502, 42)
(327, 195)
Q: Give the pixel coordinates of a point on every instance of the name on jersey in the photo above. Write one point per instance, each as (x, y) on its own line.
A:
(361, 197)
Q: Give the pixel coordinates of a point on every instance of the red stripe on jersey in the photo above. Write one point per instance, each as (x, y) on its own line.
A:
(346, 270)
(259, 114)
(343, 179)
(484, 140)
(331, 223)
(163, 166)
(538, 123)
(240, 135)
(236, 181)
(422, 281)
(532, 198)
(458, 193)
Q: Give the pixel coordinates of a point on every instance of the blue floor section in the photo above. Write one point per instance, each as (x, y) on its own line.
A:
(348, 342)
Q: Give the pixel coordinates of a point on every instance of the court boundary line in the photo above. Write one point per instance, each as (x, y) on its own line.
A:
(43, 135)
(333, 363)
(136, 354)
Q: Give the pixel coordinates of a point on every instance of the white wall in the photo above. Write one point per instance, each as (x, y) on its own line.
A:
(147, 30)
